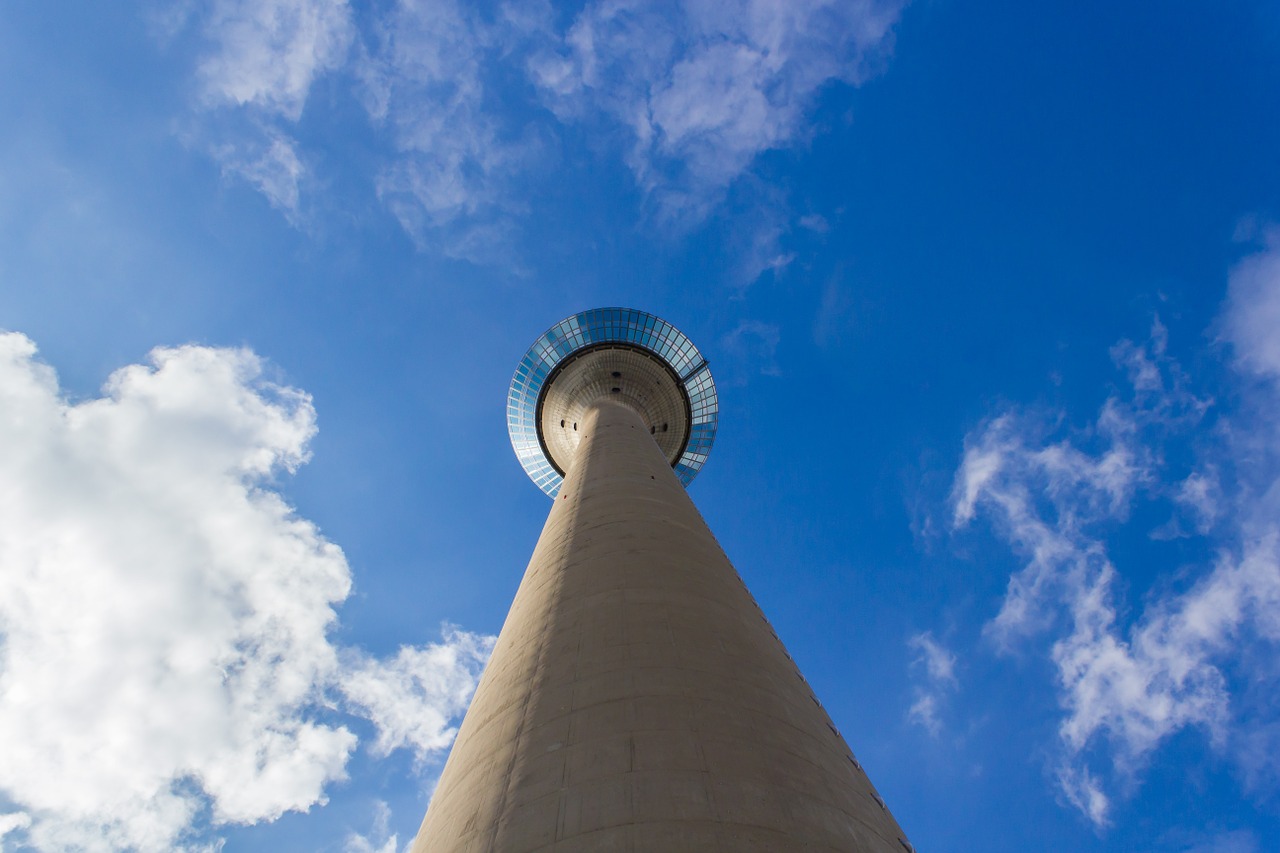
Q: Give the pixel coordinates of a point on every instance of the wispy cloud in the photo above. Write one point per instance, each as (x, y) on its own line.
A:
(425, 73)
(422, 71)
(937, 664)
(268, 160)
(692, 92)
(703, 88)
(1084, 793)
(758, 237)
(753, 344)
(835, 313)
(267, 53)
(256, 74)
(1252, 312)
(1053, 493)
(1206, 841)
(380, 838)
(166, 660)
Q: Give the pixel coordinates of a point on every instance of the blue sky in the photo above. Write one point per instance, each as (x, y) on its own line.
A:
(990, 292)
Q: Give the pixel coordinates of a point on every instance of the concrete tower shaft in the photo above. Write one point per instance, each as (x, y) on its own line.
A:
(637, 698)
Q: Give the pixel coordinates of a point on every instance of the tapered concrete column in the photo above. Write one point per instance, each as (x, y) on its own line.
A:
(637, 698)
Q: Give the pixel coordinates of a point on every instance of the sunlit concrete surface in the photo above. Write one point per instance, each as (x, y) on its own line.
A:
(638, 699)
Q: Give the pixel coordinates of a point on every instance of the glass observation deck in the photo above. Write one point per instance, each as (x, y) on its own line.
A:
(602, 326)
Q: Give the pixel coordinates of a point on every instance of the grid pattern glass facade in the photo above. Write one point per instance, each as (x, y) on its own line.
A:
(608, 325)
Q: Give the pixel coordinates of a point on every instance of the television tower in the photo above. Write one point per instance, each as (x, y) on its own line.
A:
(637, 698)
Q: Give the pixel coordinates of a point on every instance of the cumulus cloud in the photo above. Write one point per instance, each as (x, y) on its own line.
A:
(938, 665)
(13, 821)
(165, 661)
(1053, 493)
(414, 697)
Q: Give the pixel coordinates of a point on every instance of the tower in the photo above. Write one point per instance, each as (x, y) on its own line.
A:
(637, 698)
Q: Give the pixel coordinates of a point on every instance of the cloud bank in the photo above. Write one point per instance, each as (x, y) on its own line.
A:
(165, 660)
(1194, 654)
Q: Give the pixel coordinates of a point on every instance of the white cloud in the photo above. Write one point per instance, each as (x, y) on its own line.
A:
(379, 840)
(414, 697)
(835, 315)
(1127, 684)
(1236, 841)
(1252, 312)
(815, 223)
(702, 87)
(262, 58)
(419, 67)
(698, 90)
(930, 693)
(165, 661)
(754, 345)
(1133, 687)
(939, 662)
(13, 821)
(1201, 494)
(268, 160)
(924, 712)
(424, 80)
(1082, 791)
(757, 240)
(267, 53)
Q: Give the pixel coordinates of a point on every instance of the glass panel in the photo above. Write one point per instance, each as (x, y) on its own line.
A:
(602, 325)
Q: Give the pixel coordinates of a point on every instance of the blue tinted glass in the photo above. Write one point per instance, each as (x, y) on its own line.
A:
(598, 326)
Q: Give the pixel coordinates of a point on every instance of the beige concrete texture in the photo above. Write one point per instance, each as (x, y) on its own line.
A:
(638, 699)
(623, 373)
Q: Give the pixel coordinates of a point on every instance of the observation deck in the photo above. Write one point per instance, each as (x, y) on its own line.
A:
(621, 354)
